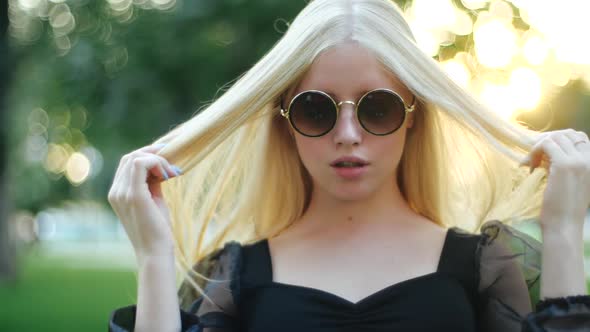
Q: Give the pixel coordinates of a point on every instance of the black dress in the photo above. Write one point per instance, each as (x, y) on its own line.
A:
(484, 282)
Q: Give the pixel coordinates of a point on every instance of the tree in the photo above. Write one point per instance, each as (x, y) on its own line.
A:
(7, 250)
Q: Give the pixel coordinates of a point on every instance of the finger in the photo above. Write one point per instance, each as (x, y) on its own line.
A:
(153, 174)
(157, 173)
(565, 143)
(120, 168)
(140, 167)
(545, 148)
(124, 175)
(538, 137)
(170, 170)
(162, 172)
(577, 138)
(156, 189)
(121, 179)
(153, 148)
(542, 135)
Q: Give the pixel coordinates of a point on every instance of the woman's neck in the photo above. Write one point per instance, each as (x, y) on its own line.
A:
(327, 212)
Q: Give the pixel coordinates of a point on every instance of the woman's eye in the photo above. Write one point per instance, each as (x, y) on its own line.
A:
(375, 113)
(378, 114)
(314, 114)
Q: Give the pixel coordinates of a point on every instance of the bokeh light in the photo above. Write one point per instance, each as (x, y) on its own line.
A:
(499, 98)
(77, 168)
(57, 157)
(458, 72)
(434, 14)
(523, 50)
(525, 86)
(474, 4)
(495, 43)
(535, 50)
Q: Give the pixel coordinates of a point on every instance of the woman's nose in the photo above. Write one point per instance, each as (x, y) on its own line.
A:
(347, 130)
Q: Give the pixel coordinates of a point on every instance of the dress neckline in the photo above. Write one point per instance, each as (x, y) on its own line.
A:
(364, 300)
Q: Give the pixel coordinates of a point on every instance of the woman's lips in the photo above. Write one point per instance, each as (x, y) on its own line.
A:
(350, 173)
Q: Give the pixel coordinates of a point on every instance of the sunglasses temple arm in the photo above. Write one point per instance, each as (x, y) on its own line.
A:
(413, 102)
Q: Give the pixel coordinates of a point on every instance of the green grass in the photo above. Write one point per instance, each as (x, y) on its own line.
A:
(50, 296)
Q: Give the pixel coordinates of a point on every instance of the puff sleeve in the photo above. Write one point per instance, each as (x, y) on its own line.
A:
(197, 313)
(509, 265)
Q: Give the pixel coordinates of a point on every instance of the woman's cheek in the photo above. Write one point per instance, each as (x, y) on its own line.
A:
(311, 154)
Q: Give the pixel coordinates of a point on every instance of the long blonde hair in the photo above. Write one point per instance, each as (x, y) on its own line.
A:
(243, 179)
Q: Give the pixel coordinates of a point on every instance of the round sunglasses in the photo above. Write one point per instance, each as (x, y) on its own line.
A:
(313, 113)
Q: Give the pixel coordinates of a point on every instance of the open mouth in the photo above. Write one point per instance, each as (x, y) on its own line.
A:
(349, 164)
(350, 171)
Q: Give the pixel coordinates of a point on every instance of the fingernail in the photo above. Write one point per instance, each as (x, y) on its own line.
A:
(177, 170)
(160, 145)
(165, 174)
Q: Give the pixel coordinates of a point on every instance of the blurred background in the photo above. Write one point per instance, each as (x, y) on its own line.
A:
(83, 82)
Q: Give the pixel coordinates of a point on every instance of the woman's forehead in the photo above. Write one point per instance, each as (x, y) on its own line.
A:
(348, 70)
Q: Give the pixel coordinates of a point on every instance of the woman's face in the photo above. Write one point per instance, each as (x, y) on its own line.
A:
(346, 72)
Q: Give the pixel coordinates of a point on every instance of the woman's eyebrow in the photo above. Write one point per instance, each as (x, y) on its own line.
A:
(358, 95)
(328, 92)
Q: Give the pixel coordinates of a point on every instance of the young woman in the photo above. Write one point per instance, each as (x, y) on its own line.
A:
(345, 183)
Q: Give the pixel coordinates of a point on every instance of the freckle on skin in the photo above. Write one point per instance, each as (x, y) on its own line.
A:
(349, 218)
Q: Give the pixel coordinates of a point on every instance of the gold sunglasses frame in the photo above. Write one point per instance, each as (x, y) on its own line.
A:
(408, 109)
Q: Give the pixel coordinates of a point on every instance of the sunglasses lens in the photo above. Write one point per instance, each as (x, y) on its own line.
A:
(312, 113)
(381, 112)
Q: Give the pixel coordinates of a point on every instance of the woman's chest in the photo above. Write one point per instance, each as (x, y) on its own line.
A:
(430, 302)
(351, 271)
(351, 278)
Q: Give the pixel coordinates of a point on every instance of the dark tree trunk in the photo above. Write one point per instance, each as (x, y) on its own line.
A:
(7, 248)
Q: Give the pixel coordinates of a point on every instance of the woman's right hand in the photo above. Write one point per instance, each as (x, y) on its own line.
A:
(136, 198)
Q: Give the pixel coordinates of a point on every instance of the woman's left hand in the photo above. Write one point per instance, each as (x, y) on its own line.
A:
(566, 156)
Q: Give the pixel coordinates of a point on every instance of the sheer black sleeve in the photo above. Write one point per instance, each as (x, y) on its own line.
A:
(509, 265)
(197, 313)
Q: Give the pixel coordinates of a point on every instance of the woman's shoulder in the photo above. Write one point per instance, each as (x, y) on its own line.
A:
(494, 234)
(510, 252)
(225, 260)
(229, 254)
(221, 267)
(499, 244)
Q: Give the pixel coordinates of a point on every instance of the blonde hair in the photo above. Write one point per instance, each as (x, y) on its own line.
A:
(243, 179)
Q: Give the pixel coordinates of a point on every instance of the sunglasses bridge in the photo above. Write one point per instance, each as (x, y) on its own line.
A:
(346, 102)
